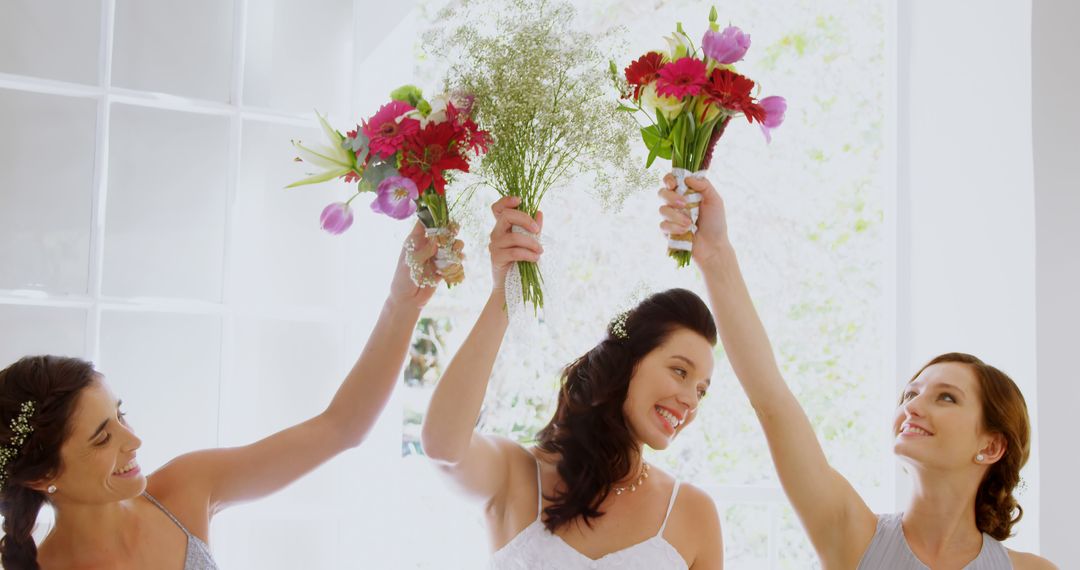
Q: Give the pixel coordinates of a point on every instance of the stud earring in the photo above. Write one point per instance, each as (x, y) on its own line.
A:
(51, 489)
(980, 458)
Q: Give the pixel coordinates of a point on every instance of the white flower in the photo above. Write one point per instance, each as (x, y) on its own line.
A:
(335, 160)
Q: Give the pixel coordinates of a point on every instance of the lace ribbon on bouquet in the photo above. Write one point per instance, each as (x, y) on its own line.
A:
(524, 317)
(685, 241)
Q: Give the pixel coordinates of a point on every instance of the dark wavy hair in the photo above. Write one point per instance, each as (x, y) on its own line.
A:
(1004, 412)
(53, 384)
(589, 431)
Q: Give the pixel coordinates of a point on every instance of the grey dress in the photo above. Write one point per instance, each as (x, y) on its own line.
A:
(889, 549)
(198, 552)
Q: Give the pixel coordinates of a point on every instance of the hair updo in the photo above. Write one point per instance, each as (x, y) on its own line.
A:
(1004, 412)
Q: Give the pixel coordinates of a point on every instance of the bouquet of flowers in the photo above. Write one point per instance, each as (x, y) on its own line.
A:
(405, 154)
(541, 90)
(689, 96)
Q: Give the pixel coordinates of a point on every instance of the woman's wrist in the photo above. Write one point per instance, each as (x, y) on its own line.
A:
(721, 258)
(401, 308)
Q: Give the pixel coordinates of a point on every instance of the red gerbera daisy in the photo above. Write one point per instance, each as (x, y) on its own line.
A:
(644, 71)
(385, 132)
(732, 92)
(681, 77)
(429, 153)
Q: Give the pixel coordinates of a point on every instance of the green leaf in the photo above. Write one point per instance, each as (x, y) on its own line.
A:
(651, 136)
(659, 146)
(652, 157)
(678, 140)
(626, 108)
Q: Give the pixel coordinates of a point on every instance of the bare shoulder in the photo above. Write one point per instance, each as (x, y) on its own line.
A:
(174, 476)
(520, 462)
(1028, 561)
(183, 481)
(698, 504)
(696, 523)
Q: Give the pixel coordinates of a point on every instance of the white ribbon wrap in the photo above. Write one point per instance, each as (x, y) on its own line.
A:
(693, 200)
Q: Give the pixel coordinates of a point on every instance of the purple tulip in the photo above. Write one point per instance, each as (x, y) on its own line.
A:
(336, 218)
(727, 46)
(775, 107)
(396, 197)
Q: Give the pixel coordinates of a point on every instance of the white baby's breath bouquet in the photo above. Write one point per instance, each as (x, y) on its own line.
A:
(542, 91)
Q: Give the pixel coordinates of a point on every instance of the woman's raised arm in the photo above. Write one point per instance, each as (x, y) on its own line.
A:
(839, 523)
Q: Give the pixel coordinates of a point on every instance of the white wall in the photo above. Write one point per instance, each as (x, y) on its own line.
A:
(965, 208)
(1056, 127)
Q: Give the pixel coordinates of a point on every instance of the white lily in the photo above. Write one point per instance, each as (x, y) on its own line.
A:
(335, 160)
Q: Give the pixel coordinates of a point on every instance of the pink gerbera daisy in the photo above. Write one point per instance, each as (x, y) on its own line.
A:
(680, 78)
(387, 129)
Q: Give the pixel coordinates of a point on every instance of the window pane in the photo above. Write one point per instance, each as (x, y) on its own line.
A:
(165, 221)
(54, 40)
(45, 202)
(181, 48)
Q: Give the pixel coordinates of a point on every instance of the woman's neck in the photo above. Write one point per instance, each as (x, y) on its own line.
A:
(92, 531)
(637, 466)
(941, 514)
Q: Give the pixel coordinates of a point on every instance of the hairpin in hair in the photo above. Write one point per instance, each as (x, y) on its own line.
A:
(618, 326)
(20, 430)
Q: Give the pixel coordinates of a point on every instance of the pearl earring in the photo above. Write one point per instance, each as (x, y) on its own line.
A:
(51, 489)
(979, 458)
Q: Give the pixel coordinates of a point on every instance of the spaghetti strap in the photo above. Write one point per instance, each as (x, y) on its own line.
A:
(197, 555)
(539, 491)
(167, 513)
(671, 504)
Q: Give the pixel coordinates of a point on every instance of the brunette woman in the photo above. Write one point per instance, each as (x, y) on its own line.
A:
(584, 497)
(65, 442)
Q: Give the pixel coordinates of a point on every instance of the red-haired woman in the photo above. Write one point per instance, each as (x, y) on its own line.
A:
(960, 425)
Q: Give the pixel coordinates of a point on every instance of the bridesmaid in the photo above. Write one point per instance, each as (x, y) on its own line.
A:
(65, 441)
(960, 425)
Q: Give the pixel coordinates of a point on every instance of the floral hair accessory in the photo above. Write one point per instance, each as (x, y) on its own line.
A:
(21, 429)
(618, 326)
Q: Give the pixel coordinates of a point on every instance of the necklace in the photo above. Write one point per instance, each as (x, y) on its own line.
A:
(640, 480)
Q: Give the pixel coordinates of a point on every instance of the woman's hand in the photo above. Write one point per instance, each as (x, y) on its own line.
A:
(416, 264)
(507, 246)
(711, 235)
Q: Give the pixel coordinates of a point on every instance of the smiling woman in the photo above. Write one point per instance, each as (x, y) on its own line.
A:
(961, 426)
(64, 441)
(584, 496)
(952, 393)
(637, 387)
